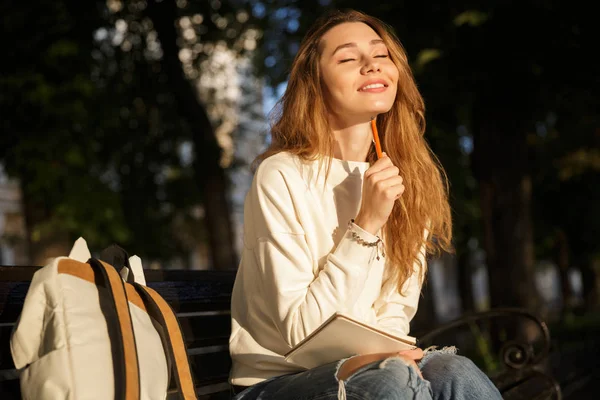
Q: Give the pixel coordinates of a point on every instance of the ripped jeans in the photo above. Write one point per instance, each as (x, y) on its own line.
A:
(445, 376)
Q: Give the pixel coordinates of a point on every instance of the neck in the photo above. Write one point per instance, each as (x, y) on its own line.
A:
(352, 141)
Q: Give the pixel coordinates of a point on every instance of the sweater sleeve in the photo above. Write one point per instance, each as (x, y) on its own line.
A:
(395, 310)
(297, 300)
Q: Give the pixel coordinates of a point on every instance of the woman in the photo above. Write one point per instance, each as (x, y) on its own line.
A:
(329, 227)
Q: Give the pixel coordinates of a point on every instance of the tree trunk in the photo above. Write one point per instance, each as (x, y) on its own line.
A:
(561, 258)
(465, 280)
(501, 167)
(590, 273)
(210, 176)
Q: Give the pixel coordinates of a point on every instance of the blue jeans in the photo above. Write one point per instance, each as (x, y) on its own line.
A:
(446, 376)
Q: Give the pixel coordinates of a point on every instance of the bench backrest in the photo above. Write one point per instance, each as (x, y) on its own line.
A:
(201, 300)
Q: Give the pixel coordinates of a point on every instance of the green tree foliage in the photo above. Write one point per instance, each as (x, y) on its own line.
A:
(47, 100)
(98, 132)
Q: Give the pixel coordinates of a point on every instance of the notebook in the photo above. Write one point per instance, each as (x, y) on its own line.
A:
(343, 336)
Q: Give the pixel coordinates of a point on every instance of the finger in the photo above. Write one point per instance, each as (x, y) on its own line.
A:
(399, 191)
(379, 165)
(394, 193)
(411, 363)
(385, 173)
(419, 371)
(390, 193)
(384, 179)
(407, 355)
(389, 183)
(415, 354)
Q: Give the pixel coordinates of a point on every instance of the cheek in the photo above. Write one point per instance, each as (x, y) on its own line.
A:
(337, 91)
(394, 93)
(338, 85)
(394, 73)
(394, 77)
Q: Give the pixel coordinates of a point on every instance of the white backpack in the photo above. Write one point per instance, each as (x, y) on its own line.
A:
(84, 333)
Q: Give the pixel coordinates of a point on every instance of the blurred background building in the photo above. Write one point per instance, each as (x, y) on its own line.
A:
(12, 223)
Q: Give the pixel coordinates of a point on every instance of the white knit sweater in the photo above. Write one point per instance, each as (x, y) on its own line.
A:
(300, 264)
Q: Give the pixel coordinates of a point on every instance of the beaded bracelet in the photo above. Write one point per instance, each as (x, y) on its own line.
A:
(363, 242)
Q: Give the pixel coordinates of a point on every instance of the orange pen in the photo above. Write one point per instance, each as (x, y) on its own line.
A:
(376, 138)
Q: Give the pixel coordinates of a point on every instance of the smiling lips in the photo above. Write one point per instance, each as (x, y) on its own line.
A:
(374, 87)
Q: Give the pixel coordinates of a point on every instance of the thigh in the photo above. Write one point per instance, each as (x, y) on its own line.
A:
(313, 384)
(390, 379)
(455, 377)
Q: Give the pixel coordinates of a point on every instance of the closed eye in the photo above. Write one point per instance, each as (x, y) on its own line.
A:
(346, 60)
(382, 56)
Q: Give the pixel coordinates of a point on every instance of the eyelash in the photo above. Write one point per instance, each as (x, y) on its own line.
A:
(352, 59)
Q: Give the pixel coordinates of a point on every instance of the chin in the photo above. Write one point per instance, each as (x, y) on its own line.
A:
(380, 107)
(379, 110)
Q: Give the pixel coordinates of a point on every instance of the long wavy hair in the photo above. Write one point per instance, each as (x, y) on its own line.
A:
(300, 126)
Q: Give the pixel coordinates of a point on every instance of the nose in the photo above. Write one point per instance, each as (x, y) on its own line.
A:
(370, 66)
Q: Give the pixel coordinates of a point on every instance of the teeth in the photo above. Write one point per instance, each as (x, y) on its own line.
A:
(373, 86)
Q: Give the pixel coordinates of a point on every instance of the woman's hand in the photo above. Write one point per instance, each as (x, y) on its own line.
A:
(355, 363)
(382, 186)
(412, 356)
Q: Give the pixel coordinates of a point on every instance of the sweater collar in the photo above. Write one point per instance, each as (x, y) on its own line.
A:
(345, 167)
(339, 171)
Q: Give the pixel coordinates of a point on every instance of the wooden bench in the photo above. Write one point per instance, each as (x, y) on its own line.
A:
(201, 300)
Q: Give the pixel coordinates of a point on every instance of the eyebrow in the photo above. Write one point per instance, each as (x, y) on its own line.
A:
(353, 44)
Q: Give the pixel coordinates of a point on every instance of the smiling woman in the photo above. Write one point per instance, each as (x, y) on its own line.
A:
(352, 237)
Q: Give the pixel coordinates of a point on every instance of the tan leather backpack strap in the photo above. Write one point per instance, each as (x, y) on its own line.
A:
(162, 312)
(127, 371)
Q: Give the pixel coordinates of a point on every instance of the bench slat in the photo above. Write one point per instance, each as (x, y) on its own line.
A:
(205, 331)
(206, 294)
(12, 296)
(6, 361)
(10, 390)
(210, 368)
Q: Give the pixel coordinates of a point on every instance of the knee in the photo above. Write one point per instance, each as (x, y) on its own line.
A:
(449, 369)
(392, 371)
(454, 363)
(389, 379)
(449, 373)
